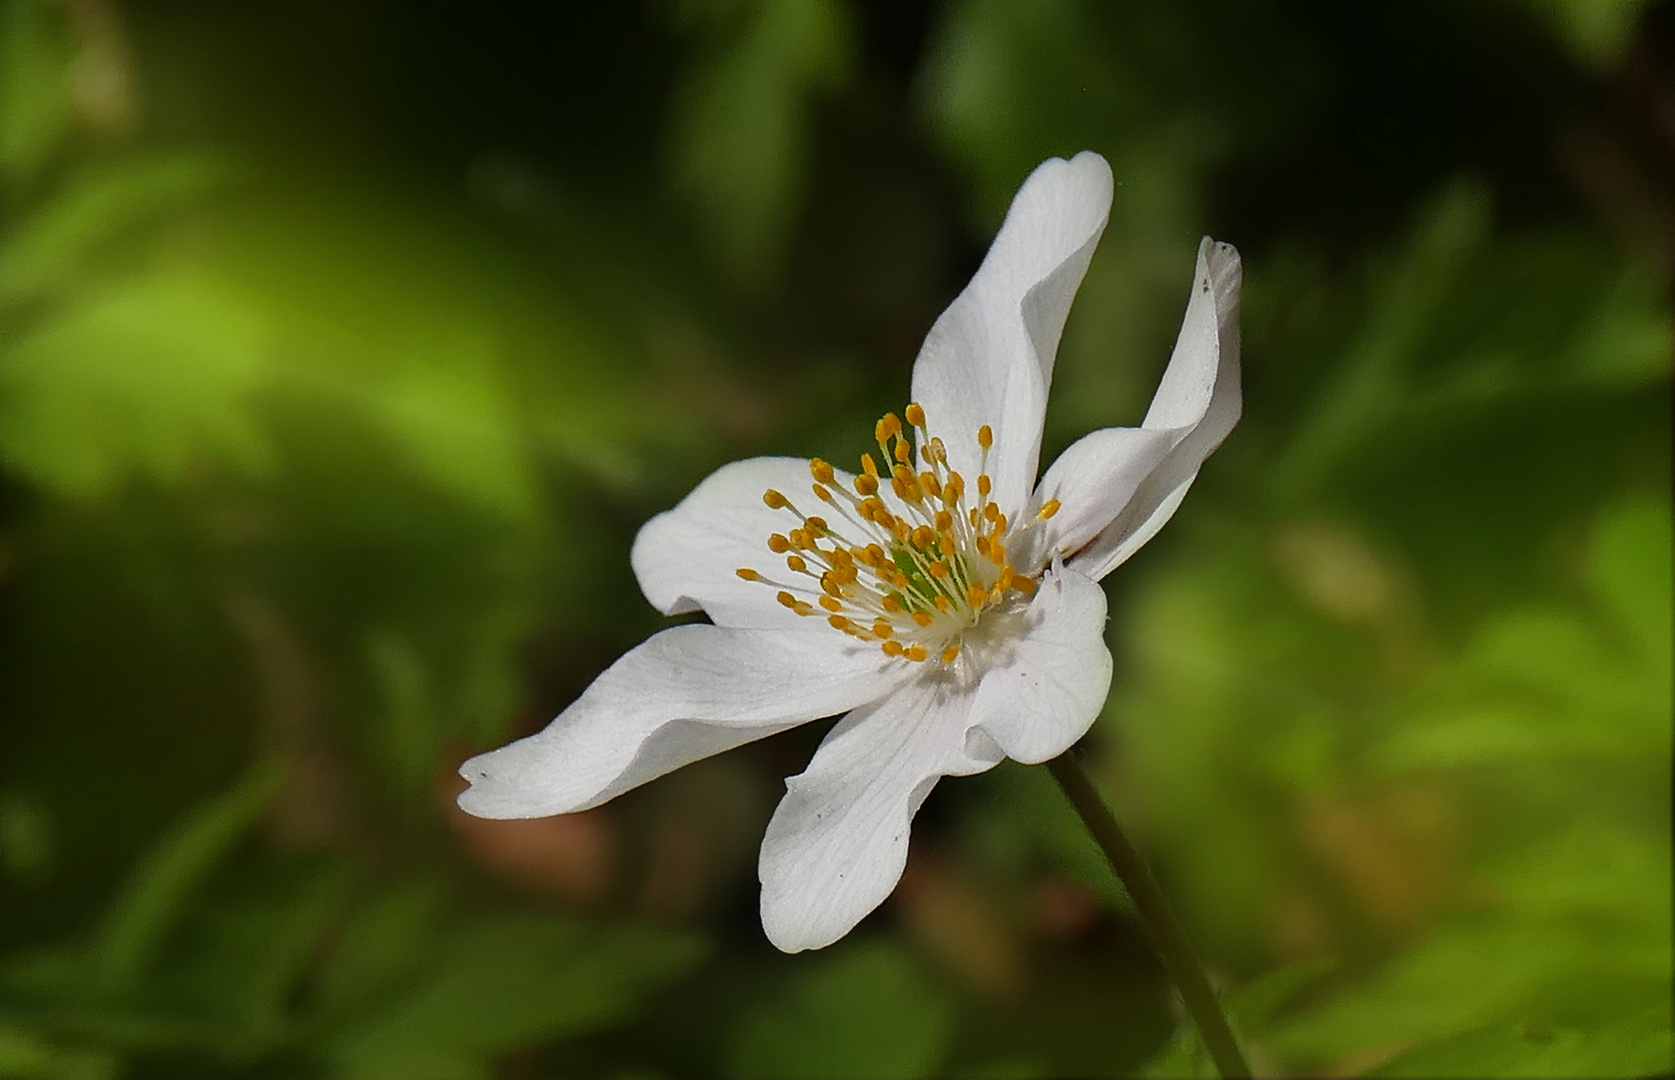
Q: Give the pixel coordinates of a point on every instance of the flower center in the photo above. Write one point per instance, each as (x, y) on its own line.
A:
(915, 573)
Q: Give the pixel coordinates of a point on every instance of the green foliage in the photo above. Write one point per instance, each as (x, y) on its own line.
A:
(868, 1009)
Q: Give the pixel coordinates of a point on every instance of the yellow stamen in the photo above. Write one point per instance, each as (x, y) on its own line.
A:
(923, 618)
(985, 436)
(888, 424)
(950, 652)
(984, 485)
(787, 599)
(866, 485)
(1048, 509)
(822, 471)
(915, 653)
(830, 604)
(774, 499)
(976, 595)
(892, 648)
(838, 622)
(748, 574)
(796, 563)
(915, 415)
(779, 544)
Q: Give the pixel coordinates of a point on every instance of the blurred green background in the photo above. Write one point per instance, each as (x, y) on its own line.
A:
(344, 344)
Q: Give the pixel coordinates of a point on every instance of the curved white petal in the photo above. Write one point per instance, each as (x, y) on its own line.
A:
(684, 694)
(688, 558)
(1047, 692)
(1095, 481)
(989, 358)
(838, 841)
(1196, 405)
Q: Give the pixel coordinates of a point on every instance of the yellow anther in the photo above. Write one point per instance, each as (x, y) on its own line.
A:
(869, 466)
(997, 553)
(875, 555)
(1000, 524)
(866, 484)
(944, 521)
(796, 563)
(822, 471)
(787, 599)
(883, 629)
(891, 604)
(748, 574)
(801, 540)
(822, 494)
(982, 544)
(974, 517)
(938, 569)
(950, 652)
(899, 486)
(779, 544)
(1048, 509)
(985, 436)
(1023, 584)
(915, 653)
(953, 489)
(830, 585)
(1004, 582)
(837, 622)
(915, 415)
(932, 486)
(888, 424)
(943, 604)
(976, 595)
(804, 608)
(774, 499)
(903, 452)
(892, 648)
(991, 511)
(936, 452)
(984, 485)
(816, 526)
(922, 537)
(830, 604)
(923, 618)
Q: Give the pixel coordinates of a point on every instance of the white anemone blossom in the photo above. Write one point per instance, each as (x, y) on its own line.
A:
(942, 598)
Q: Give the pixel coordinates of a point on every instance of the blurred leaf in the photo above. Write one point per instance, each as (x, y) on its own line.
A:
(27, 847)
(35, 106)
(137, 379)
(238, 962)
(386, 943)
(49, 252)
(1629, 565)
(1596, 30)
(865, 1010)
(25, 1057)
(501, 983)
(1637, 1045)
(738, 149)
(155, 896)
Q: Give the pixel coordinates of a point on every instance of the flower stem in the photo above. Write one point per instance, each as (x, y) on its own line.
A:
(1162, 926)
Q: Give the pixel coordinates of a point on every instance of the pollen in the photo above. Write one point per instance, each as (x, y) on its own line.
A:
(913, 565)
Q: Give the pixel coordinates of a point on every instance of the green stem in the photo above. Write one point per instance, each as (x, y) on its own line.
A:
(1165, 930)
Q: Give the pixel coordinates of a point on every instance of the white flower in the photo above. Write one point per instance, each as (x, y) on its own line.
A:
(943, 599)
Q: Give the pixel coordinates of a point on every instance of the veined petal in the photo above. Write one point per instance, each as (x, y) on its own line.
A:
(1046, 694)
(1196, 405)
(989, 358)
(688, 558)
(837, 844)
(684, 694)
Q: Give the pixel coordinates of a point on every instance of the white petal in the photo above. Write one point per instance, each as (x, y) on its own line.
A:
(684, 694)
(1045, 696)
(1196, 405)
(1095, 481)
(688, 558)
(989, 358)
(838, 841)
